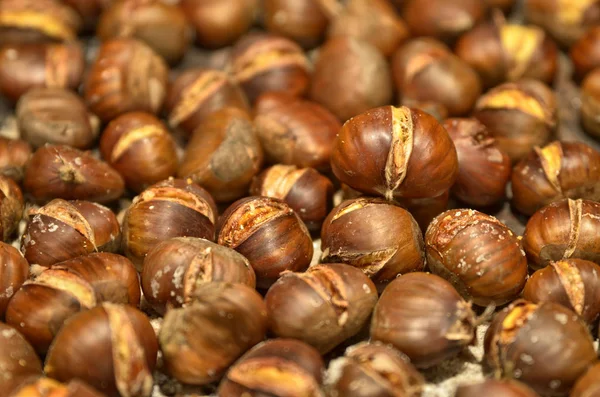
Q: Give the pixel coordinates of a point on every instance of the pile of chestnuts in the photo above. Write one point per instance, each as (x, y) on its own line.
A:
(299, 198)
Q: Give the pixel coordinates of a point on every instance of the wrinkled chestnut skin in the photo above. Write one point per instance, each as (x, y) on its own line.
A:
(293, 131)
(140, 148)
(423, 316)
(59, 171)
(306, 191)
(197, 93)
(126, 76)
(18, 360)
(376, 236)
(585, 53)
(323, 306)
(483, 168)
(545, 346)
(172, 208)
(501, 52)
(573, 283)
(202, 339)
(62, 230)
(520, 115)
(219, 22)
(44, 387)
(175, 268)
(590, 103)
(111, 347)
(269, 233)
(14, 155)
(556, 171)
(395, 153)
(588, 384)
(350, 77)
(27, 66)
(424, 69)
(267, 63)
(227, 134)
(55, 116)
(11, 207)
(163, 27)
(496, 388)
(304, 21)
(564, 229)
(14, 271)
(276, 367)
(374, 369)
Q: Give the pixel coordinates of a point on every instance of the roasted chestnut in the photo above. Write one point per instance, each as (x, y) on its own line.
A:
(588, 384)
(585, 52)
(425, 209)
(546, 346)
(590, 103)
(495, 388)
(14, 155)
(44, 387)
(304, 21)
(395, 153)
(323, 306)
(19, 362)
(14, 271)
(11, 207)
(424, 317)
(269, 233)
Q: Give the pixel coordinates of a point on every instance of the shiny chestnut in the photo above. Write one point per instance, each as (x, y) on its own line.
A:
(14, 271)
(14, 155)
(304, 21)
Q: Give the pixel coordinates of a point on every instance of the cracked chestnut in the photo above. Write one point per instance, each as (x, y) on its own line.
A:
(11, 207)
(14, 155)
(18, 360)
(304, 21)
(496, 388)
(14, 271)
(588, 384)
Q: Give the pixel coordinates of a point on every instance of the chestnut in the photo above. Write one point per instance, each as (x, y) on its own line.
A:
(175, 268)
(88, 10)
(556, 171)
(227, 134)
(585, 52)
(307, 192)
(56, 116)
(294, 131)
(111, 347)
(350, 76)
(425, 209)
(26, 66)
(126, 76)
(219, 23)
(197, 93)
(395, 153)
(59, 171)
(172, 208)
(262, 63)
(269, 233)
(442, 19)
(202, 339)
(162, 26)
(435, 109)
(501, 52)
(496, 388)
(304, 21)
(520, 115)
(11, 207)
(14, 155)
(323, 306)
(278, 367)
(62, 230)
(44, 387)
(564, 229)
(373, 369)
(478, 254)
(423, 316)
(546, 346)
(573, 283)
(376, 236)
(140, 148)
(19, 362)
(14, 271)
(588, 384)
(425, 69)
(483, 168)
(590, 103)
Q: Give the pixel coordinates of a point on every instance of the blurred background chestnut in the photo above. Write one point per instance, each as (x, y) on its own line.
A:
(14, 155)
(590, 103)
(304, 21)
(13, 273)
(585, 52)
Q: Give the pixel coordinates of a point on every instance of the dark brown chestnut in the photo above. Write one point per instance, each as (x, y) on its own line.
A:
(14, 155)
(425, 69)
(564, 229)
(376, 236)
(478, 254)
(227, 134)
(18, 360)
(89, 10)
(126, 76)
(585, 53)
(14, 271)
(202, 339)
(323, 306)
(295, 131)
(175, 268)
(111, 347)
(424, 317)
(278, 367)
(350, 77)
(27, 66)
(496, 388)
(11, 207)
(304, 21)
(425, 209)
(483, 168)
(520, 115)
(373, 369)
(395, 153)
(140, 148)
(306, 191)
(269, 233)
(546, 346)
(588, 384)
(590, 103)
(46, 387)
